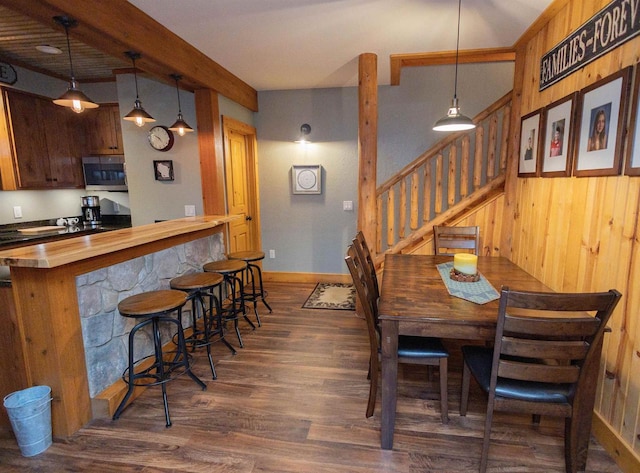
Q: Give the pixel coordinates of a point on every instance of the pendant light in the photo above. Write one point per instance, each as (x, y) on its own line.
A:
(180, 126)
(72, 98)
(138, 115)
(454, 120)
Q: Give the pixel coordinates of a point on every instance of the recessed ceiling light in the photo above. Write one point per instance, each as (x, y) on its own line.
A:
(45, 48)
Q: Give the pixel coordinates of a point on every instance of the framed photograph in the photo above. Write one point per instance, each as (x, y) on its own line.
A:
(530, 126)
(601, 126)
(632, 161)
(306, 179)
(558, 137)
(163, 170)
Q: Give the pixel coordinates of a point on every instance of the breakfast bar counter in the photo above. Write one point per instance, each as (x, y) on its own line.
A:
(44, 342)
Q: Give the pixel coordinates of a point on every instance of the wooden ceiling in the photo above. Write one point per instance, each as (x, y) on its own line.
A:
(19, 36)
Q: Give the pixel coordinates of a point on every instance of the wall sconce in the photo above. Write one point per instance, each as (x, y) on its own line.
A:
(180, 126)
(305, 129)
(73, 97)
(138, 115)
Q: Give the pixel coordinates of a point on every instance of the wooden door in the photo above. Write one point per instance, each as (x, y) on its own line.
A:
(241, 184)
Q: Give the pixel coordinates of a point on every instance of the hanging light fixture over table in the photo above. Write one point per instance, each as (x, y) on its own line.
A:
(138, 115)
(73, 97)
(454, 120)
(180, 126)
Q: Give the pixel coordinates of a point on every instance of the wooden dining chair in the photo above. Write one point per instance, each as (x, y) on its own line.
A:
(411, 349)
(543, 342)
(362, 249)
(450, 240)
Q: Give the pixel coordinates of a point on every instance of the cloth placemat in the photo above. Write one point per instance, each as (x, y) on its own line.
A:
(479, 292)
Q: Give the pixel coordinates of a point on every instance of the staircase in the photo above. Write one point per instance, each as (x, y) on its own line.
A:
(455, 177)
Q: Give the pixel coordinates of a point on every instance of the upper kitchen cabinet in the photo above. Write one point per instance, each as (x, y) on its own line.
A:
(103, 134)
(40, 143)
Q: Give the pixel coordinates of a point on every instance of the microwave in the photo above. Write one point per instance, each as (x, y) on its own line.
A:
(104, 173)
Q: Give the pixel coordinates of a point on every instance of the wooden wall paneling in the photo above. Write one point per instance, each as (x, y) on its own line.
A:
(575, 214)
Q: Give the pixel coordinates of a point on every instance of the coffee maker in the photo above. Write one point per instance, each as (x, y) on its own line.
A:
(91, 210)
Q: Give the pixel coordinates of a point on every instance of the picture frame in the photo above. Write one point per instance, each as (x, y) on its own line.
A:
(530, 126)
(601, 121)
(306, 179)
(558, 133)
(632, 154)
(163, 170)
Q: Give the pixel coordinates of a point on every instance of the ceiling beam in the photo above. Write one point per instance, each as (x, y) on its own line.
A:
(467, 56)
(116, 26)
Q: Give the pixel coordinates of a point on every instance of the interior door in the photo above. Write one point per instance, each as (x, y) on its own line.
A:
(241, 184)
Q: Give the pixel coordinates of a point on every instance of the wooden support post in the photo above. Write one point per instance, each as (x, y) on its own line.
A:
(367, 145)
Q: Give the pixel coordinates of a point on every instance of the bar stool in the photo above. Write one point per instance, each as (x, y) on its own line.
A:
(200, 286)
(156, 307)
(235, 306)
(251, 272)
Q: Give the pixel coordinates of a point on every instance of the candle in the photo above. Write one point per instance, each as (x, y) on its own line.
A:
(465, 263)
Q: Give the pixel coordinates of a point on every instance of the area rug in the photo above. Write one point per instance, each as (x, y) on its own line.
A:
(332, 296)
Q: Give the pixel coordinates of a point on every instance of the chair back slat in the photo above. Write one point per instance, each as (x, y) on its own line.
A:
(365, 296)
(449, 240)
(549, 325)
(538, 372)
(555, 349)
(363, 252)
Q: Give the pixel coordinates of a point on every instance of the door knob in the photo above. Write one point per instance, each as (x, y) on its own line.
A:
(248, 217)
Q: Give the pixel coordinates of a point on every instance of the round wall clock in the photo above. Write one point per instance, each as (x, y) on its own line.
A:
(160, 138)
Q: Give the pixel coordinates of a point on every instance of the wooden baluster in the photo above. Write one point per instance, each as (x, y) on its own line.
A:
(464, 167)
(438, 203)
(403, 209)
(379, 225)
(426, 193)
(491, 150)
(415, 185)
(451, 186)
(506, 119)
(391, 217)
(477, 165)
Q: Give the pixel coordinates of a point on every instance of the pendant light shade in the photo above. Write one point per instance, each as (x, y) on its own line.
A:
(454, 120)
(138, 115)
(180, 126)
(73, 97)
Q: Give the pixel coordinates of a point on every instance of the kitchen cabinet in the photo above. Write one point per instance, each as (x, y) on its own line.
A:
(40, 143)
(102, 130)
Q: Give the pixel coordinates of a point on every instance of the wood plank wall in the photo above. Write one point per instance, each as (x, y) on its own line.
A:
(581, 234)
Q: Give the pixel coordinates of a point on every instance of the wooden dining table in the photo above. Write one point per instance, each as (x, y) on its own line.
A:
(415, 301)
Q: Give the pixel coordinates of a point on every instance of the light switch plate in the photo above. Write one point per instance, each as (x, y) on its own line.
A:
(347, 205)
(17, 212)
(189, 210)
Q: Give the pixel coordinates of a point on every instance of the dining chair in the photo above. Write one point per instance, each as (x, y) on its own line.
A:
(362, 249)
(543, 342)
(448, 239)
(411, 349)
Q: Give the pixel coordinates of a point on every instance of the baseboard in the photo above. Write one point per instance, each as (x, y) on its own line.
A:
(268, 276)
(615, 445)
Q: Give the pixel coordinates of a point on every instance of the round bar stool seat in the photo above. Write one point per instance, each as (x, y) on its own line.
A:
(230, 269)
(200, 286)
(253, 291)
(155, 308)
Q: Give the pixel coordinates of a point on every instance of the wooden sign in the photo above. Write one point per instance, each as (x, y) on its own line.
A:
(8, 74)
(612, 26)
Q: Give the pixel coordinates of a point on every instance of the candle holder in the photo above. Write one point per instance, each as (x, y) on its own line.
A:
(462, 277)
(465, 268)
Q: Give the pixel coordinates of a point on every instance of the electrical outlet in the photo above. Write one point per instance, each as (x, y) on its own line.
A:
(272, 254)
(17, 212)
(189, 210)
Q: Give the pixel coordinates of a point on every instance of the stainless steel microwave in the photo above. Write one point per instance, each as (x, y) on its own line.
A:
(104, 173)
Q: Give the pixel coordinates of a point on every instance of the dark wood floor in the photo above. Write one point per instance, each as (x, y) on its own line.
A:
(293, 400)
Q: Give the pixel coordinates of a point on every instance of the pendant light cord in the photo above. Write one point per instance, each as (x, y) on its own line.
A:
(177, 78)
(135, 76)
(455, 83)
(66, 29)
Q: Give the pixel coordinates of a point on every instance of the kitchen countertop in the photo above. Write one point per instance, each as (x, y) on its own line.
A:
(85, 246)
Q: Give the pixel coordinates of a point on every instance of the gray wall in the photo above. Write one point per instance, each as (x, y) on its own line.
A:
(310, 232)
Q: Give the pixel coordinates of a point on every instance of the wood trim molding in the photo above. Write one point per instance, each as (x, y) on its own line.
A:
(467, 56)
(270, 276)
(625, 457)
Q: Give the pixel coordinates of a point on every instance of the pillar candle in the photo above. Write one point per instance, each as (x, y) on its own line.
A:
(465, 263)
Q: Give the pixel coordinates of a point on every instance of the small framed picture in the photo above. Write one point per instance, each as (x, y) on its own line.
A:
(601, 125)
(632, 161)
(306, 179)
(530, 126)
(163, 170)
(558, 137)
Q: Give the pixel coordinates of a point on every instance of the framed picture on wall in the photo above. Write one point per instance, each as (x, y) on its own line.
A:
(530, 126)
(558, 137)
(601, 125)
(306, 179)
(632, 161)
(163, 170)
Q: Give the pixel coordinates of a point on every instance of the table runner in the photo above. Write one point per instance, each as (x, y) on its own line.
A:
(479, 292)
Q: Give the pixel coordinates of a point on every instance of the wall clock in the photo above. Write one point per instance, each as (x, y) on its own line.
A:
(306, 179)
(160, 138)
